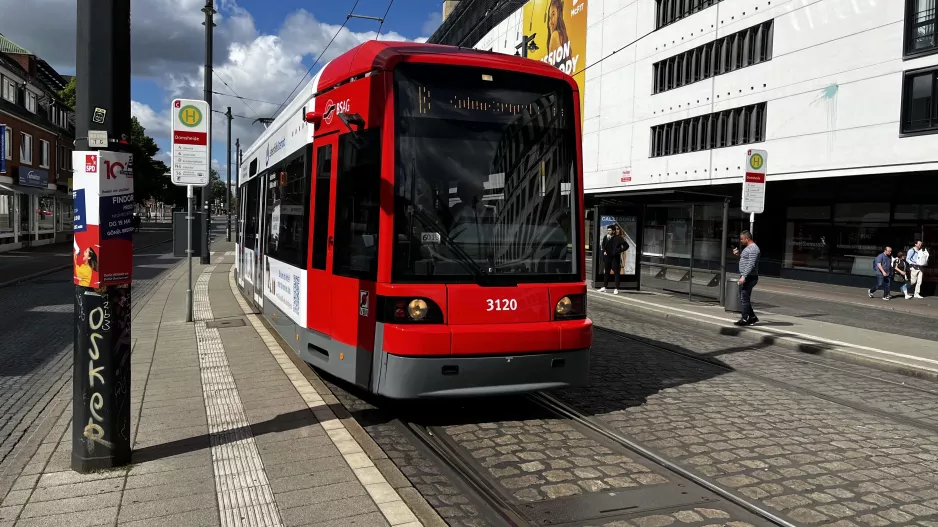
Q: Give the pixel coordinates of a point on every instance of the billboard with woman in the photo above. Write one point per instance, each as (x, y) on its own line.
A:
(559, 31)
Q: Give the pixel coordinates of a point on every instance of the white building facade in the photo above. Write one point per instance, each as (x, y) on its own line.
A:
(842, 95)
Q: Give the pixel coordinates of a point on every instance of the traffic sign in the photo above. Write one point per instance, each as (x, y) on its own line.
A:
(190, 142)
(754, 182)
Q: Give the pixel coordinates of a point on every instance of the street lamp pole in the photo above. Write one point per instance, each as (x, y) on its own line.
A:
(228, 181)
(209, 24)
(104, 211)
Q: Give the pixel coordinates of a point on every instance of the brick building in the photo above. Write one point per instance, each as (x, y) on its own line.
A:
(38, 138)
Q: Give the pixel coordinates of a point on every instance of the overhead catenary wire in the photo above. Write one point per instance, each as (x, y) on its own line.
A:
(235, 93)
(347, 18)
(385, 17)
(244, 98)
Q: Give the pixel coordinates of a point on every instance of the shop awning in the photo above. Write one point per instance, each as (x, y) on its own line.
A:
(32, 191)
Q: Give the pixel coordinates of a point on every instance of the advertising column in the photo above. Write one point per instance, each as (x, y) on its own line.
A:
(103, 260)
(559, 30)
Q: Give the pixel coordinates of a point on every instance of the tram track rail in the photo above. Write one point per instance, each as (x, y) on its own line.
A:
(790, 386)
(426, 424)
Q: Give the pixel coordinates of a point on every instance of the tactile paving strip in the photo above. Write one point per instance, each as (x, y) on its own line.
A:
(244, 493)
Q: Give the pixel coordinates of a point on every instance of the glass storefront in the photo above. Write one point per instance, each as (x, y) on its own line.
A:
(846, 237)
(45, 214)
(7, 217)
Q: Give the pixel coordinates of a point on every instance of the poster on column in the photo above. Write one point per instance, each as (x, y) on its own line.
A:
(628, 228)
(103, 222)
(559, 29)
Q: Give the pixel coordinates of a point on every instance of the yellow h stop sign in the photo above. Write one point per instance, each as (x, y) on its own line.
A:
(190, 116)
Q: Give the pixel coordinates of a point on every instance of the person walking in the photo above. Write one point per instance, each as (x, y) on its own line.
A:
(749, 277)
(913, 257)
(613, 245)
(882, 266)
(901, 267)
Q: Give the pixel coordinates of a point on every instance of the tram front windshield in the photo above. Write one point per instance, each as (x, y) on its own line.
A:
(486, 186)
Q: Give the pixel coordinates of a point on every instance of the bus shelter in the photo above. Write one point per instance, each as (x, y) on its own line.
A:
(679, 242)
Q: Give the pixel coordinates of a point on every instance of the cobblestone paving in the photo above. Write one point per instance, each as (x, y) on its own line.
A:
(440, 491)
(36, 358)
(894, 394)
(810, 460)
(534, 460)
(537, 459)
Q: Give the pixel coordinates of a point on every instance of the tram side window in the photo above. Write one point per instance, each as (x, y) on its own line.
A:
(321, 205)
(289, 204)
(251, 213)
(357, 205)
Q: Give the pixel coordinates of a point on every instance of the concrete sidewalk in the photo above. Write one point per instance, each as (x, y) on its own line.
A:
(228, 429)
(891, 352)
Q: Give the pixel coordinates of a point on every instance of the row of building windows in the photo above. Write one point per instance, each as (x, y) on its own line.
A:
(738, 126)
(53, 111)
(670, 11)
(732, 52)
(27, 149)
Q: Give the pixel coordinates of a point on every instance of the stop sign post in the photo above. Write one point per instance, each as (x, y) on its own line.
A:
(753, 200)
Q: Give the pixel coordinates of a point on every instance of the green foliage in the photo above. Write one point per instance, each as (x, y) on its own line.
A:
(151, 177)
(68, 94)
(218, 189)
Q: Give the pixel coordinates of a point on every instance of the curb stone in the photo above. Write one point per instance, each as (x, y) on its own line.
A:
(766, 336)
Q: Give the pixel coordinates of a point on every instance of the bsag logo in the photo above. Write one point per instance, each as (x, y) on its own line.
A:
(333, 108)
(363, 303)
(279, 145)
(91, 163)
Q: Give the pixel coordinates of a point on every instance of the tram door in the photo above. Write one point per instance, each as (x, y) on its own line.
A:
(261, 241)
(323, 243)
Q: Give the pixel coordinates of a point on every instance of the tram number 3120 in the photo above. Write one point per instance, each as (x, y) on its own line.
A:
(504, 304)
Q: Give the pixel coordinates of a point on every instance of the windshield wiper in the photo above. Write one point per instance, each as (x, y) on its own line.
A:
(463, 257)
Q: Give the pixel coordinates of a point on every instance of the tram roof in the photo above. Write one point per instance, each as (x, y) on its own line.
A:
(384, 55)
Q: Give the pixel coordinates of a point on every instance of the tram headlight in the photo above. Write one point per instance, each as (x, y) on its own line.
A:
(570, 307)
(417, 309)
(564, 306)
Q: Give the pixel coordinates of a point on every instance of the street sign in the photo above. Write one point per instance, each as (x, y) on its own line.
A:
(754, 182)
(97, 138)
(190, 142)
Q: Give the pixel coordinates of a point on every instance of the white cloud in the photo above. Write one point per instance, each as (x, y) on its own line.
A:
(156, 124)
(167, 47)
(432, 22)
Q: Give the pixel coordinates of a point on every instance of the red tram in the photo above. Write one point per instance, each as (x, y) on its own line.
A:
(412, 222)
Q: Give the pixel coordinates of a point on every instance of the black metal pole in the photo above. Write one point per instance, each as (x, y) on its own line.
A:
(237, 187)
(723, 239)
(690, 281)
(101, 383)
(209, 24)
(228, 182)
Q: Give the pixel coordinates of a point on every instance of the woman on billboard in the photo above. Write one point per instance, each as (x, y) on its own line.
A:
(556, 28)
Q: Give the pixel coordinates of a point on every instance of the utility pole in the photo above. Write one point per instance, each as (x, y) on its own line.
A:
(237, 187)
(103, 238)
(527, 43)
(228, 182)
(209, 24)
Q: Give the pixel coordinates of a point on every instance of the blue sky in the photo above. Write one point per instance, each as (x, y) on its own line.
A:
(262, 49)
(410, 19)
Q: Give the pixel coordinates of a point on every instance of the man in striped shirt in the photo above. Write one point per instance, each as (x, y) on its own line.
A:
(749, 277)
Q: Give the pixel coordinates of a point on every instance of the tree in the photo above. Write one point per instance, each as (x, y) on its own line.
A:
(151, 177)
(218, 189)
(68, 94)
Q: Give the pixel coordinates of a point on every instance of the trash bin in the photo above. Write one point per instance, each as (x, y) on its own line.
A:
(731, 294)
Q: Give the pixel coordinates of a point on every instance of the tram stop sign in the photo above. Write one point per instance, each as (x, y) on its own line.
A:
(754, 183)
(190, 163)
